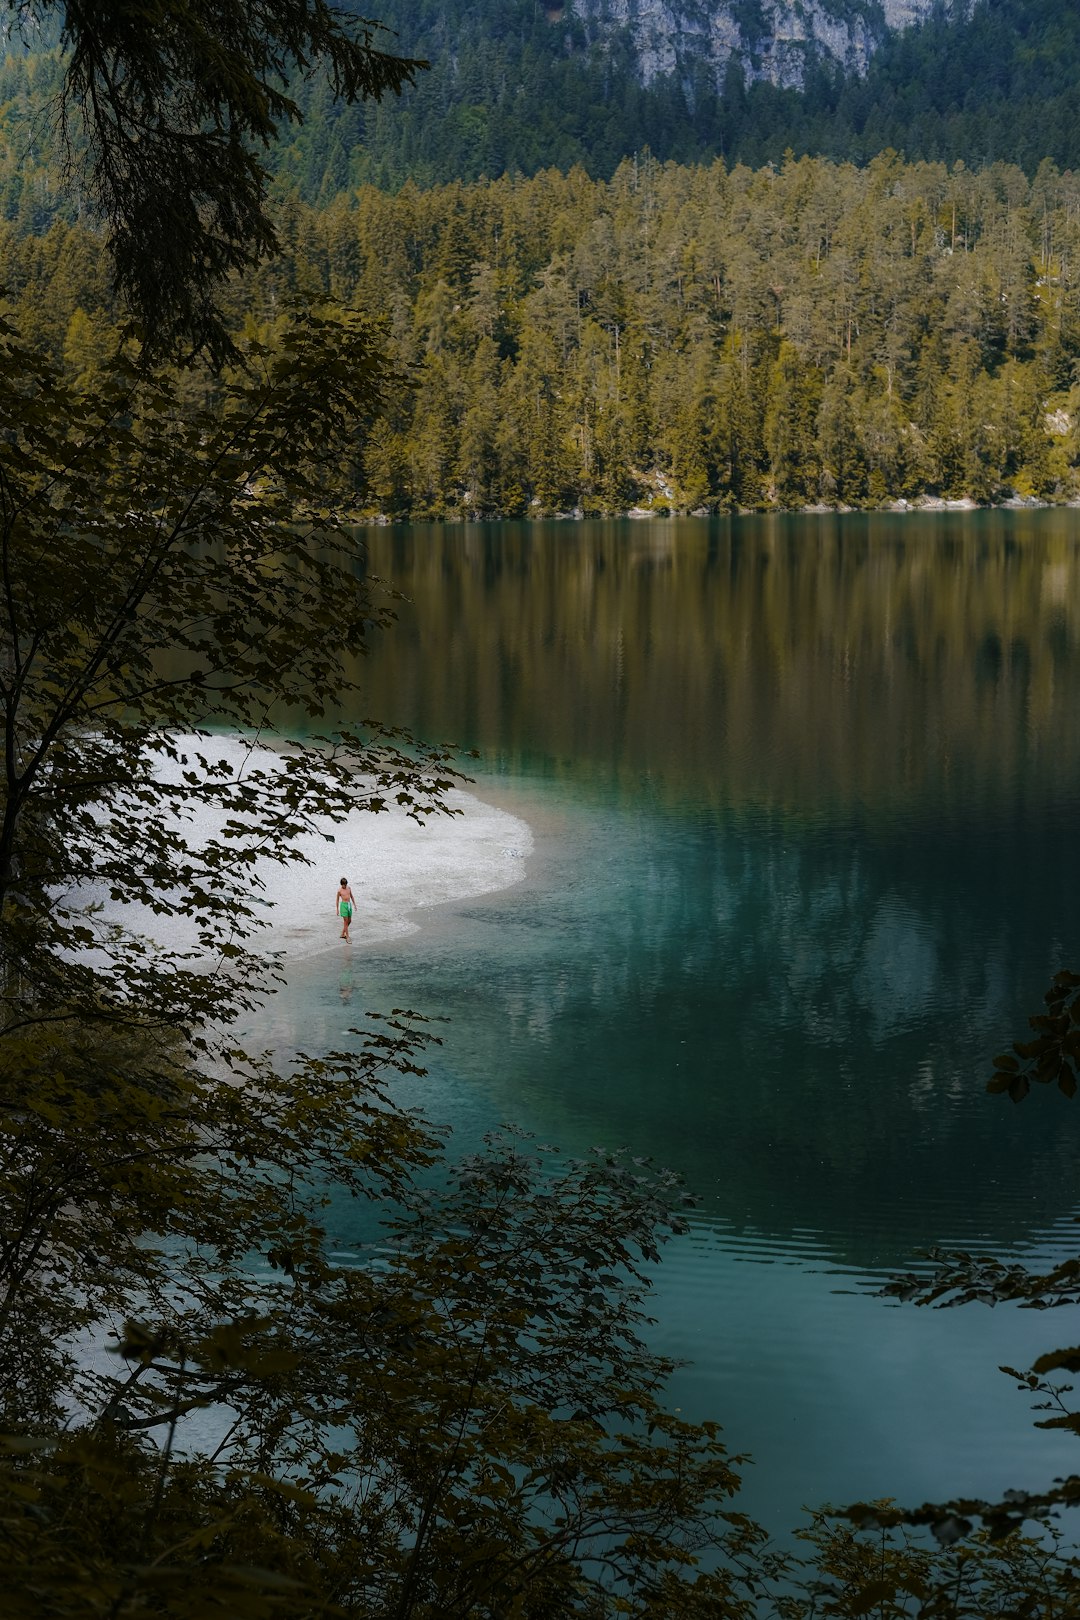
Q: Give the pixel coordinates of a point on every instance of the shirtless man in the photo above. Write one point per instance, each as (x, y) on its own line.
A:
(344, 905)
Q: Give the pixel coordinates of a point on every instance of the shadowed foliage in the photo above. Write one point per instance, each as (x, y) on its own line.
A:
(167, 109)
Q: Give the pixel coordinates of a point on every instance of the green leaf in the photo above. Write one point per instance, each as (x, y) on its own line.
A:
(1058, 1360)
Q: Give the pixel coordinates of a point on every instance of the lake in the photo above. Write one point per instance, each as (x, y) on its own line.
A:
(803, 793)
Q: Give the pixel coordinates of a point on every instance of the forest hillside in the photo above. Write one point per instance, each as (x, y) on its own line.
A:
(593, 329)
(517, 88)
(676, 338)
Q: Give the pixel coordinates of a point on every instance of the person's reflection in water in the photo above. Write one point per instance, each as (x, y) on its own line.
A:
(345, 987)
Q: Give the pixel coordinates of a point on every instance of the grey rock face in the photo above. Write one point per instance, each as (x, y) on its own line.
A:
(772, 39)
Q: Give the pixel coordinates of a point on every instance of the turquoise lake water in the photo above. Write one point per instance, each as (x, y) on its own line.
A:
(804, 794)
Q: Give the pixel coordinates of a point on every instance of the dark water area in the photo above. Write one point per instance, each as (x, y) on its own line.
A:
(804, 796)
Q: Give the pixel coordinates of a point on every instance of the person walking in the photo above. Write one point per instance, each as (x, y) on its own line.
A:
(345, 905)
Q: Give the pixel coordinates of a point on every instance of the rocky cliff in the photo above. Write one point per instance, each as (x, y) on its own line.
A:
(771, 39)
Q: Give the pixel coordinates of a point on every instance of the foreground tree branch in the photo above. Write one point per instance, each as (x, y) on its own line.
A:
(165, 571)
(165, 110)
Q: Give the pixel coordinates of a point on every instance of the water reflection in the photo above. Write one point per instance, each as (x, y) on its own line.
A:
(805, 664)
(804, 796)
(801, 1029)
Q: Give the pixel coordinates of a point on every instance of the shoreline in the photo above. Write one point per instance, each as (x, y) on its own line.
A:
(668, 510)
(400, 868)
(396, 865)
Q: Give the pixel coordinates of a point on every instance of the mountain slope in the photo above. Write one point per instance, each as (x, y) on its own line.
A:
(516, 86)
(772, 40)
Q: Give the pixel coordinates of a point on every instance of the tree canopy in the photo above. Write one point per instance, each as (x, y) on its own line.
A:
(466, 1421)
(165, 110)
(202, 1407)
(515, 88)
(678, 338)
(168, 569)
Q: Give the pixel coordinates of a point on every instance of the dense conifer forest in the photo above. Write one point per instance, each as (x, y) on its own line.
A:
(676, 338)
(519, 87)
(465, 1418)
(594, 332)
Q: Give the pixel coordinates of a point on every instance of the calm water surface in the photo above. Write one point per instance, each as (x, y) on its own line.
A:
(805, 794)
